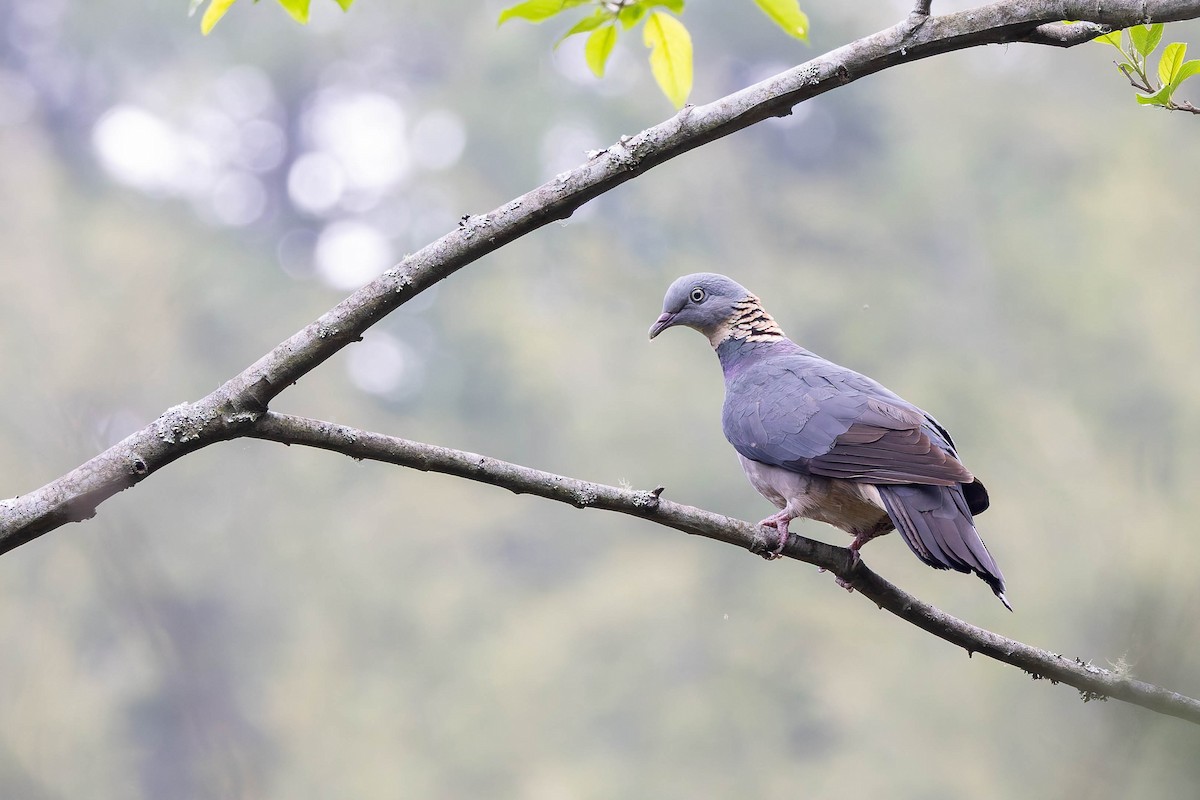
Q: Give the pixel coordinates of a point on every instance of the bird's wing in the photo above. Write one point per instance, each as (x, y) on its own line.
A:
(830, 421)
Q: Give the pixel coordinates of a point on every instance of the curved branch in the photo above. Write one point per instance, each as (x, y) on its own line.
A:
(1092, 682)
(232, 408)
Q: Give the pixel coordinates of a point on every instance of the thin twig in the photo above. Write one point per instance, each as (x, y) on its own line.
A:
(1092, 682)
(1144, 88)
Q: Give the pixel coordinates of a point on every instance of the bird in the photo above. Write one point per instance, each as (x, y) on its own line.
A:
(823, 442)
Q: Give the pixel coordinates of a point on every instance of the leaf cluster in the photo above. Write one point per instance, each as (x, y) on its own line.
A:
(1136, 45)
(663, 33)
(298, 9)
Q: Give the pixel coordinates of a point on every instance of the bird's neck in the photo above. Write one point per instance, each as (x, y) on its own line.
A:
(749, 322)
(749, 335)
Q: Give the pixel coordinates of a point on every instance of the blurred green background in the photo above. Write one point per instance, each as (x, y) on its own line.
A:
(1001, 235)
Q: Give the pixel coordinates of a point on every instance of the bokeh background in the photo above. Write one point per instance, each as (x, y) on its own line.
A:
(1002, 236)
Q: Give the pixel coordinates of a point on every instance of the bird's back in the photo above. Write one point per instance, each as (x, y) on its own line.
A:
(799, 403)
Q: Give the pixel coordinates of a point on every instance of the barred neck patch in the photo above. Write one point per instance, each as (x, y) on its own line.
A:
(749, 321)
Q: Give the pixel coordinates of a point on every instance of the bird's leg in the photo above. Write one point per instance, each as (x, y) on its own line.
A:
(780, 523)
(859, 540)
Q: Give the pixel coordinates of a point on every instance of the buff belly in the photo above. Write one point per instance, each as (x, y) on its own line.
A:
(851, 506)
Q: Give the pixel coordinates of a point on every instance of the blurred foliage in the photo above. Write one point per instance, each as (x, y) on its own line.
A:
(260, 621)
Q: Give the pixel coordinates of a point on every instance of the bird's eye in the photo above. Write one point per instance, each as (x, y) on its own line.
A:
(697, 295)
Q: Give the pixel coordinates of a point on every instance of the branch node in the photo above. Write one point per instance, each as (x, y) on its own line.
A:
(648, 501)
(621, 155)
(918, 17)
(1060, 34)
(585, 496)
(183, 423)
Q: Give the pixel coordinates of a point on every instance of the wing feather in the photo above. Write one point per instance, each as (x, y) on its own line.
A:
(802, 413)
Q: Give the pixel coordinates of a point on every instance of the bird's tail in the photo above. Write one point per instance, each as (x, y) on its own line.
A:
(938, 527)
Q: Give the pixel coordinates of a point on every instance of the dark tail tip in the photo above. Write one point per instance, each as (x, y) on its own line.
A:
(1003, 599)
(994, 578)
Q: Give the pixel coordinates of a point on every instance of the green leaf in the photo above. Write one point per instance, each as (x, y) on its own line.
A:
(1171, 62)
(673, 5)
(1146, 37)
(1113, 38)
(345, 4)
(1186, 71)
(586, 24)
(670, 56)
(632, 14)
(1156, 34)
(787, 15)
(537, 10)
(599, 45)
(1160, 98)
(297, 8)
(1137, 37)
(213, 14)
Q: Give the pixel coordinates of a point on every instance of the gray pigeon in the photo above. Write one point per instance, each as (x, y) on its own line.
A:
(823, 442)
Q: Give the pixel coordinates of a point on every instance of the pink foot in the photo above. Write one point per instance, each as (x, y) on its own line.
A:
(855, 546)
(780, 523)
(855, 558)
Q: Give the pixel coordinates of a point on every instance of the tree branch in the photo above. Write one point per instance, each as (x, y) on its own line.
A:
(1093, 683)
(232, 409)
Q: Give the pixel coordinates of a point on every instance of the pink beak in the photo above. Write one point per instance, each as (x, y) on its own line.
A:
(661, 324)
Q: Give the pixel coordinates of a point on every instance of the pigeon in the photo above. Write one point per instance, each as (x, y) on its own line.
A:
(823, 442)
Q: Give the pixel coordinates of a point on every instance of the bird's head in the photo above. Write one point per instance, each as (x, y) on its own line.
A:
(705, 301)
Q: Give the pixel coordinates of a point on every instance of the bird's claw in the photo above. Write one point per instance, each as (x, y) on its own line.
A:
(855, 560)
(769, 552)
(761, 548)
(777, 551)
